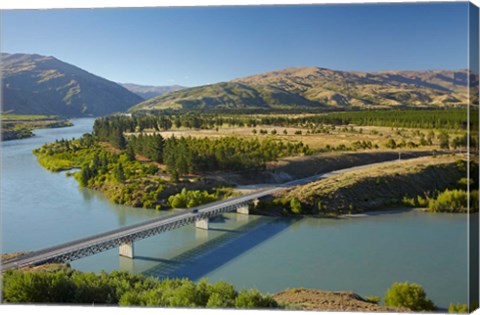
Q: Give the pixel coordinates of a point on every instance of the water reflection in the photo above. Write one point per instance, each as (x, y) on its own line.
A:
(210, 255)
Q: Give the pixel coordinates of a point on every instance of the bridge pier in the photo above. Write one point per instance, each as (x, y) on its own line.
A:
(126, 249)
(202, 224)
(243, 209)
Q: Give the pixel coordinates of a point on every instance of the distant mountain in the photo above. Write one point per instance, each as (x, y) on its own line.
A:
(34, 84)
(322, 88)
(149, 91)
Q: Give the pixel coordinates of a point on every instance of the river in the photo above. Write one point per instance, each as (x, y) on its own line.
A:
(365, 254)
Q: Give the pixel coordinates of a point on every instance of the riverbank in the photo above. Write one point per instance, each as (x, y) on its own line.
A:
(321, 301)
(16, 127)
(369, 189)
(378, 212)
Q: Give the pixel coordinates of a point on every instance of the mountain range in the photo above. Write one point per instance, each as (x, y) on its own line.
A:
(149, 91)
(34, 84)
(315, 87)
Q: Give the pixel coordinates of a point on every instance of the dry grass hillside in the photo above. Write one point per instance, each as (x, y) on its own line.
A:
(34, 84)
(323, 88)
(378, 186)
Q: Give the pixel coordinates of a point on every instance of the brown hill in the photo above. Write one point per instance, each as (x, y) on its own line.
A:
(323, 88)
(34, 84)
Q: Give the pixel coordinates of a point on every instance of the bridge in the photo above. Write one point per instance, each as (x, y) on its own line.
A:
(124, 237)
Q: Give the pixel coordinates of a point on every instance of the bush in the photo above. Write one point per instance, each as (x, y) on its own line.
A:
(458, 308)
(449, 201)
(295, 206)
(191, 198)
(19, 287)
(254, 299)
(408, 295)
(65, 285)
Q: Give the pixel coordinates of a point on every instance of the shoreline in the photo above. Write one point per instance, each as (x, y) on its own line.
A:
(379, 212)
(24, 129)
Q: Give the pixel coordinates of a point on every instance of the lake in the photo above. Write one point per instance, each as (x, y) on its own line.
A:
(363, 254)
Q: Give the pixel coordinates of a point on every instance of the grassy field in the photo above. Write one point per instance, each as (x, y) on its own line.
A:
(13, 117)
(333, 137)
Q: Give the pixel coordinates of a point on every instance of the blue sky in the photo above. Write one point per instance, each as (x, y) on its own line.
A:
(201, 45)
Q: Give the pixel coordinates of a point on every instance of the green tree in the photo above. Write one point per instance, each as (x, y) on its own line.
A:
(130, 153)
(409, 295)
(444, 140)
(295, 206)
(120, 173)
(85, 175)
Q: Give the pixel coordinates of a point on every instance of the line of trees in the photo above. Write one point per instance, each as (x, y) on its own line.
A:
(62, 284)
(432, 119)
(106, 127)
(65, 285)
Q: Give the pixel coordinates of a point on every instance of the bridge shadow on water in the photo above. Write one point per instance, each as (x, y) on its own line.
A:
(206, 257)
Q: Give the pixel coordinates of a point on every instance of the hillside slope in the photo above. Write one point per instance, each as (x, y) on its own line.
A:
(323, 88)
(34, 84)
(378, 187)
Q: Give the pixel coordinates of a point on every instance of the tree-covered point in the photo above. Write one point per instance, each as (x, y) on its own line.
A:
(68, 286)
(126, 180)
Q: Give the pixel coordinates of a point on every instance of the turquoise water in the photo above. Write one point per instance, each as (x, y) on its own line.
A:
(365, 254)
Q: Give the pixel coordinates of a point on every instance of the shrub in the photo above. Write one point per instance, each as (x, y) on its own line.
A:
(254, 299)
(295, 206)
(449, 201)
(458, 308)
(408, 295)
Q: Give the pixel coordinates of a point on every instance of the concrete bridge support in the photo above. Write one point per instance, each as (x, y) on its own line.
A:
(202, 224)
(243, 209)
(126, 249)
